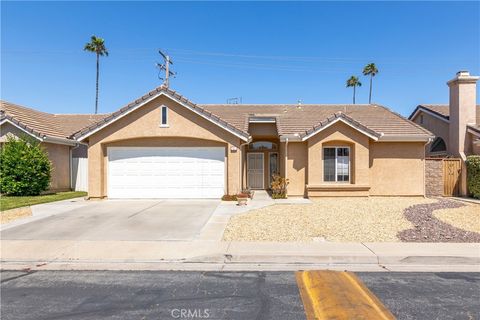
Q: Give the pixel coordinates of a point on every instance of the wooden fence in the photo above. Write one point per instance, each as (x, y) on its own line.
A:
(452, 169)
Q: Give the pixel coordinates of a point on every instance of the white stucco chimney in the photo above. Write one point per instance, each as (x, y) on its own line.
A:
(463, 111)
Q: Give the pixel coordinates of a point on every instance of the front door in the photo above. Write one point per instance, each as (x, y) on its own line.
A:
(255, 170)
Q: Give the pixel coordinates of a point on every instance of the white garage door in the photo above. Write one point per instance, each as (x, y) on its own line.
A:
(157, 172)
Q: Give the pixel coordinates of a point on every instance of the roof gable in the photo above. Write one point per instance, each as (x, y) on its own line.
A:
(340, 117)
(174, 96)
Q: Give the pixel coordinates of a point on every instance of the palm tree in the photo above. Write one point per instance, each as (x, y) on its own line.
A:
(97, 46)
(370, 70)
(353, 82)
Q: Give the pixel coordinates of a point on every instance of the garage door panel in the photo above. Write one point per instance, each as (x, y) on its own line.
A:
(166, 172)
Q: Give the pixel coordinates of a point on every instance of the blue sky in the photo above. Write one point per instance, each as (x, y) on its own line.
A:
(264, 52)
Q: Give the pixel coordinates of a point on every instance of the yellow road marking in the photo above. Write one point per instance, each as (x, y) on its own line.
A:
(338, 295)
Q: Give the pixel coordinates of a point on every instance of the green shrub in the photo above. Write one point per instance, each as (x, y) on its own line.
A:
(24, 167)
(473, 175)
(279, 187)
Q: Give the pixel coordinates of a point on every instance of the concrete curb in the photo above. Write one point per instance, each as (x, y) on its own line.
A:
(186, 254)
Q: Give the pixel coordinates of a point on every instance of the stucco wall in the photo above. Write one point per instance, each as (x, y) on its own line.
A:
(59, 156)
(8, 129)
(142, 128)
(339, 135)
(438, 127)
(258, 130)
(397, 168)
(296, 165)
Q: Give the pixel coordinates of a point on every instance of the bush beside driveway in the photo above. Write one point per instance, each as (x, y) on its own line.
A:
(333, 219)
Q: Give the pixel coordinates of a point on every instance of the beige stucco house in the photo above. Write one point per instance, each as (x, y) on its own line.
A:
(456, 125)
(162, 145)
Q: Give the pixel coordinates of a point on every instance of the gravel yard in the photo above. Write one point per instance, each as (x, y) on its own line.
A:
(466, 218)
(428, 228)
(334, 219)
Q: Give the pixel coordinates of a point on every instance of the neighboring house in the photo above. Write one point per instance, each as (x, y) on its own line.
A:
(456, 125)
(164, 146)
(68, 157)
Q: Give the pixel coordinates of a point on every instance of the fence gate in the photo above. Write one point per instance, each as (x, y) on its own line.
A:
(451, 177)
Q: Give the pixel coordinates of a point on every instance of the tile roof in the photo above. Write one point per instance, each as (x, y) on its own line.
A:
(291, 119)
(442, 110)
(302, 119)
(43, 124)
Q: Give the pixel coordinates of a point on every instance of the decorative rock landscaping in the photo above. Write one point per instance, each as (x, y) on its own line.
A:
(427, 228)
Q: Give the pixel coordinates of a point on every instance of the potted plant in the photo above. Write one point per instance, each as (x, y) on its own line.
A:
(279, 187)
(242, 199)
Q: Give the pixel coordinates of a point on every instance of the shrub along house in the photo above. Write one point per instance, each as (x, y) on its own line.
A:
(68, 157)
(164, 146)
(456, 125)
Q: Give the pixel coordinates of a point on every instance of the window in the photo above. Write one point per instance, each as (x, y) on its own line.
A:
(262, 145)
(336, 164)
(421, 119)
(438, 145)
(164, 116)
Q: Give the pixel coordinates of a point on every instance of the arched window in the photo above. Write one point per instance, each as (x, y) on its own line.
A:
(262, 145)
(438, 145)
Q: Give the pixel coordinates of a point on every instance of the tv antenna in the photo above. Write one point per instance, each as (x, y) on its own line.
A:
(166, 68)
(235, 100)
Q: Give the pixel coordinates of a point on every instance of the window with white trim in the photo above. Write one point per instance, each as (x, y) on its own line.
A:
(336, 164)
(164, 116)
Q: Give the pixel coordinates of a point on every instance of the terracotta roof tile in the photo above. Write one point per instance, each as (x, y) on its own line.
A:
(442, 110)
(46, 124)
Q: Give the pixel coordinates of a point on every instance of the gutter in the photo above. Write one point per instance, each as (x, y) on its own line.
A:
(290, 137)
(404, 138)
(56, 140)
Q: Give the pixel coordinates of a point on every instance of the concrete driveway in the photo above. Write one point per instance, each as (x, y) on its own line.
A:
(120, 220)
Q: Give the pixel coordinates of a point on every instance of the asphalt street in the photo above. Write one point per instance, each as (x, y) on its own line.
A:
(219, 295)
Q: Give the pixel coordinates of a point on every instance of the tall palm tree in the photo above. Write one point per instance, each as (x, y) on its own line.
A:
(97, 46)
(353, 82)
(370, 70)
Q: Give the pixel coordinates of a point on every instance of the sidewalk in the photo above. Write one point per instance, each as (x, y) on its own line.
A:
(216, 255)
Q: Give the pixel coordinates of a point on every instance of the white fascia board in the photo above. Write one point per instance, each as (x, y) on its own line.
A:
(291, 138)
(335, 121)
(152, 98)
(421, 109)
(405, 138)
(57, 140)
(20, 128)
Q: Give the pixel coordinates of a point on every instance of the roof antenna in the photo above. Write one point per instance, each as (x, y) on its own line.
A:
(235, 100)
(165, 67)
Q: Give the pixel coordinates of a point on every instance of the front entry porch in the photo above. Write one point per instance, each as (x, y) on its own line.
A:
(262, 163)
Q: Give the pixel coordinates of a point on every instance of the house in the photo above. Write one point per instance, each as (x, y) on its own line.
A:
(456, 125)
(68, 157)
(162, 145)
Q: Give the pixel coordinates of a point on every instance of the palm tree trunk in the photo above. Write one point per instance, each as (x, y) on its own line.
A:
(96, 91)
(370, 95)
(354, 94)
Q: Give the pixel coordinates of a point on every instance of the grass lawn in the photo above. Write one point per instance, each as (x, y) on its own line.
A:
(7, 202)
